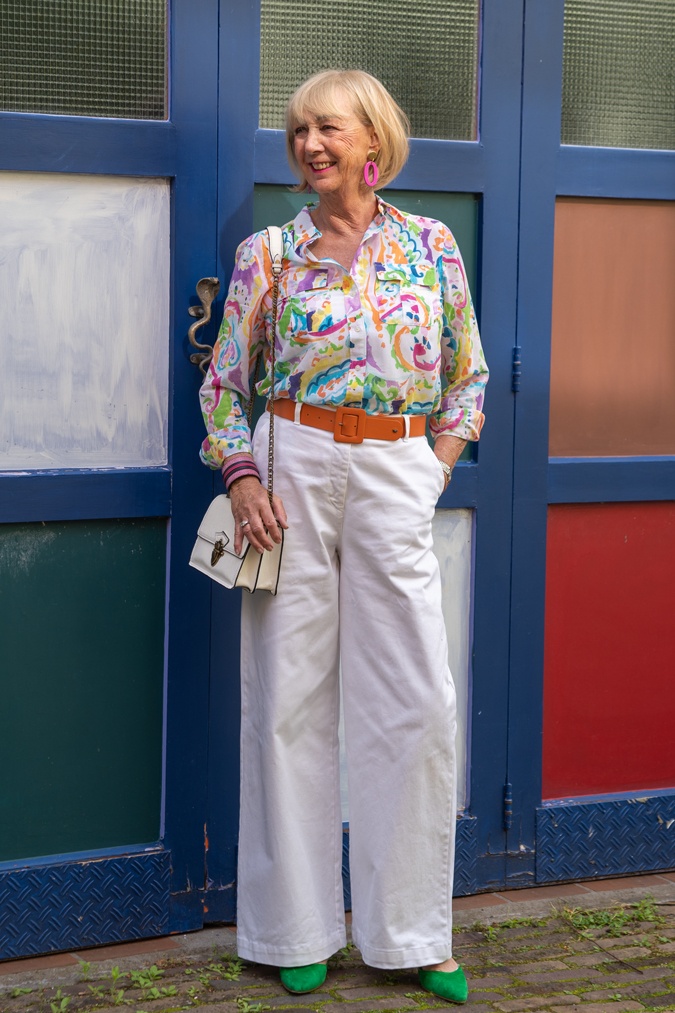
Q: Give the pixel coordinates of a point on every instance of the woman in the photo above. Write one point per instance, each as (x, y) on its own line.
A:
(376, 335)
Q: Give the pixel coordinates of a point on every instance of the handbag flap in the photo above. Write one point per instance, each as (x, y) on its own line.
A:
(218, 525)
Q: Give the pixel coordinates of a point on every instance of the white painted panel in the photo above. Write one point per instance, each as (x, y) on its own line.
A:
(453, 547)
(453, 530)
(84, 321)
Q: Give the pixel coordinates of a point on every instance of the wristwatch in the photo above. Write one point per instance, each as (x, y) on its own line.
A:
(447, 469)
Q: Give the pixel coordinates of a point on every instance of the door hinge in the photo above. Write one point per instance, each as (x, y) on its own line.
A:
(515, 369)
(508, 805)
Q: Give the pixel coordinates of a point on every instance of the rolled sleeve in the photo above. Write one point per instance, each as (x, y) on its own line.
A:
(227, 386)
(464, 373)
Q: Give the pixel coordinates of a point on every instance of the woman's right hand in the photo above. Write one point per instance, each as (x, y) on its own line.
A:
(251, 503)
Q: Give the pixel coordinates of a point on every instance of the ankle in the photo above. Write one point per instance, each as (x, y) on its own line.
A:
(446, 966)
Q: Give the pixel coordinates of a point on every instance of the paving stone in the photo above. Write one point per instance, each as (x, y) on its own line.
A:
(546, 892)
(632, 951)
(573, 974)
(599, 1007)
(542, 965)
(307, 999)
(394, 1003)
(585, 945)
(221, 1007)
(589, 959)
(641, 988)
(372, 991)
(467, 937)
(518, 1005)
(37, 963)
(666, 947)
(360, 977)
(478, 996)
(644, 974)
(481, 900)
(127, 949)
(490, 981)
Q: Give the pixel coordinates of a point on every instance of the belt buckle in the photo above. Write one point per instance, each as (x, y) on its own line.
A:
(350, 425)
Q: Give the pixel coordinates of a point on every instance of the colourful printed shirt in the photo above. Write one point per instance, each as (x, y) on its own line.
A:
(396, 334)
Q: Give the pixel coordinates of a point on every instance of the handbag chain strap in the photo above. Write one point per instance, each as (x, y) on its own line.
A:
(275, 242)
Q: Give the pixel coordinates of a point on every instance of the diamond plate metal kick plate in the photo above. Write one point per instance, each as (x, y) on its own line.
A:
(582, 840)
(83, 903)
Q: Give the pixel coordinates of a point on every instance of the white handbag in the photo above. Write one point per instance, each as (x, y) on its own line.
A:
(213, 552)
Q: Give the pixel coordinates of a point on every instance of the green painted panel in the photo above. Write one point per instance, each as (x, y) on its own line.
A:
(81, 667)
(276, 205)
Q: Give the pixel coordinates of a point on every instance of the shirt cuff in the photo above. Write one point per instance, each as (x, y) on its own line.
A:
(466, 426)
(239, 466)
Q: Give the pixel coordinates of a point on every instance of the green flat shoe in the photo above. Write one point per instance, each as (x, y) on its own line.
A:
(448, 985)
(303, 979)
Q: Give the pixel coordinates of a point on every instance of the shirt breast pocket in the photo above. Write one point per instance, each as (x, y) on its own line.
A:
(315, 311)
(407, 300)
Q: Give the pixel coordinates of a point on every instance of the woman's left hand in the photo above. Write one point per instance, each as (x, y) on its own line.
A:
(255, 518)
(447, 449)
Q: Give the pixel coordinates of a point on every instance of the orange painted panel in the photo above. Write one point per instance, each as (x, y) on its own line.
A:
(613, 329)
(609, 660)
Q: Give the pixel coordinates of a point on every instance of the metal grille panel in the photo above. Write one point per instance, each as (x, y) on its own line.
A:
(425, 53)
(78, 904)
(81, 58)
(619, 73)
(584, 840)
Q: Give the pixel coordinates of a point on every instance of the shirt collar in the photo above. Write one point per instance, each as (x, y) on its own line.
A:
(305, 231)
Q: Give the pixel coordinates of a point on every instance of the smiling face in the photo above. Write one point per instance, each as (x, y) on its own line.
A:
(332, 150)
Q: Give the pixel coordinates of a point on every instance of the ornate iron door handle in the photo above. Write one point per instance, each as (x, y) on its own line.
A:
(207, 290)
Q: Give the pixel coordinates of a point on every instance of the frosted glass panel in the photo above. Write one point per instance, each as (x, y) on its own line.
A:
(453, 546)
(84, 321)
(425, 53)
(84, 57)
(613, 329)
(619, 73)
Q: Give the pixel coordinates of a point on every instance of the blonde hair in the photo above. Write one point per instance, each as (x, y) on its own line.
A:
(321, 96)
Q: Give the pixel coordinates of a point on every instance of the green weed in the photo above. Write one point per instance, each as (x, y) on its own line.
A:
(159, 993)
(141, 979)
(515, 923)
(244, 1006)
(230, 970)
(613, 919)
(116, 975)
(60, 1003)
(16, 992)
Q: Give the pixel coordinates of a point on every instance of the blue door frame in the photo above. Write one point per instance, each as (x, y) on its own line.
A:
(145, 888)
(625, 836)
(489, 168)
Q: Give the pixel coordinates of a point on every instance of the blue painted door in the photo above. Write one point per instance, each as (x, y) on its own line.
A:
(253, 176)
(106, 637)
(576, 691)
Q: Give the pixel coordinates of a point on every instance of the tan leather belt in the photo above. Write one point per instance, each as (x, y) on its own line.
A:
(351, 425)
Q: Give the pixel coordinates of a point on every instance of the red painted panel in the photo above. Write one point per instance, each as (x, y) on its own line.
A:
(609, 669)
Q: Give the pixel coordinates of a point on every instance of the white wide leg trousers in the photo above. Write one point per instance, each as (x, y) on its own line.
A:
(360, 586)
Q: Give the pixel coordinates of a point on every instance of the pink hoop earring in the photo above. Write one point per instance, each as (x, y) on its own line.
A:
(371, 173)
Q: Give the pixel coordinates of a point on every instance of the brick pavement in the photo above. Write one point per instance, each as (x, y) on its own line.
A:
(520, 955)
